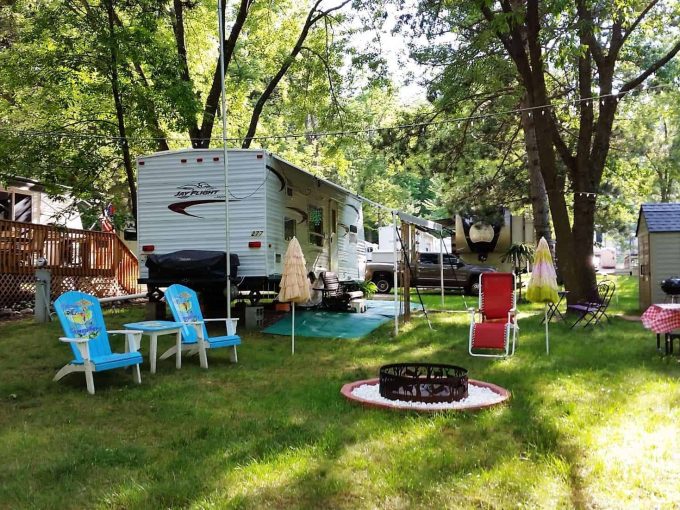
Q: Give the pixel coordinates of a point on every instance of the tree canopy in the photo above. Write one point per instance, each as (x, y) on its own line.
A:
(564, 109)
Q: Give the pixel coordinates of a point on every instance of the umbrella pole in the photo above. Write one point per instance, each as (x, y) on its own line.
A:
(293, 344)
(547, 338)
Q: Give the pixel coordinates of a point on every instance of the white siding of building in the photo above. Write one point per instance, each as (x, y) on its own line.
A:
(664, 261)
(54, 211)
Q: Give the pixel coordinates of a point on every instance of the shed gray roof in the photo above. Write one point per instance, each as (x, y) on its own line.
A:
(664, 217)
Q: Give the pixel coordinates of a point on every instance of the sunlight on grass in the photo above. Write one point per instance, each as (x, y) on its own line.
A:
(267, 479)
(638, 444)
(595, 424)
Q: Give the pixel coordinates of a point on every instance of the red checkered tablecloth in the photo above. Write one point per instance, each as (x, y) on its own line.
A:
(662, 318)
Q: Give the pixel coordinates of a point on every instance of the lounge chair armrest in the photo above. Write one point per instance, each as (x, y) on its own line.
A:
(74, 340)
(81, 344)
(133, 338)
(197, 326)
(227, 322)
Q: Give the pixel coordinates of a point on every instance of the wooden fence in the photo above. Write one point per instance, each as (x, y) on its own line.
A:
(95, 262)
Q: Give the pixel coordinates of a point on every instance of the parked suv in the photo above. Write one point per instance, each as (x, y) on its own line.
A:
(457, 274)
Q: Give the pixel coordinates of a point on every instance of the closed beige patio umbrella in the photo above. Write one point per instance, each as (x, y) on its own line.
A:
(294, 282)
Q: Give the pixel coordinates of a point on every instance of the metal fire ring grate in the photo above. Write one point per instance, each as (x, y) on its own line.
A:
(423, 382)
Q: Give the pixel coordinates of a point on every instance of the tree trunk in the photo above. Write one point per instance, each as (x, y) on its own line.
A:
(584, 281)
(539, 197)
(312, 18)
(212, 100)
(180, 43)
(520, 36)
(120, 111)
(273, 83)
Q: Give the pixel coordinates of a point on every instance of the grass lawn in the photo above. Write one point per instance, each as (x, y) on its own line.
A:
(594, 425)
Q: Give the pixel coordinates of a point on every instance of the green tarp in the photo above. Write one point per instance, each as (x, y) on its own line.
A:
(325, 324)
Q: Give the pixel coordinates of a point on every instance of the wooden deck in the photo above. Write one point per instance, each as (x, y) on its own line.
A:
(67, 253)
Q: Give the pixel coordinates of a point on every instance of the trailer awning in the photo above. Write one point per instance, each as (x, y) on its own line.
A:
(420, 222)
(430, 226)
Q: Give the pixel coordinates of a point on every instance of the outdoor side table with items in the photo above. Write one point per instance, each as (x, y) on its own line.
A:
(154, 329)
(663, 319)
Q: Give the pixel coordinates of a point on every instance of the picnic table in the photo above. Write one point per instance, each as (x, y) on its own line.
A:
(663, 319)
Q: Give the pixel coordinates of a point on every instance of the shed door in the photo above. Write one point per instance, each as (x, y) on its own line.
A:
(645, 290)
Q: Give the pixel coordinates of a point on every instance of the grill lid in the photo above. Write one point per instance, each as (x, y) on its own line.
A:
(671, 285)
(191, 263)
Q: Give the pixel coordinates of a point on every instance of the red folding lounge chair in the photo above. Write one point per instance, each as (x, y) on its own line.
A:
(498, 317)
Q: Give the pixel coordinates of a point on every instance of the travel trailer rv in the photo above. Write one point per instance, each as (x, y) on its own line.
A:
(181, 207)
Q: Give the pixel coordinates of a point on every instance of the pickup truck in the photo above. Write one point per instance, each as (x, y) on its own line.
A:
(457, 274)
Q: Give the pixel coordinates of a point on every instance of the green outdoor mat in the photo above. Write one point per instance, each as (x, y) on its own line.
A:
(325, 324)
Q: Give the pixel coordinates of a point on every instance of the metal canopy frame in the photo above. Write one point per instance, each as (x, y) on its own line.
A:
(422, 224)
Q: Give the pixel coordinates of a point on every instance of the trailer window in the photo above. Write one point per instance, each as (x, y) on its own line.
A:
(5, 206)
(16, 206)
(289, 225)
(316, 225)
(23, 207)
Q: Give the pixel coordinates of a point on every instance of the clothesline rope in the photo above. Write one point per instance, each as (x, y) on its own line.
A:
(323, 134)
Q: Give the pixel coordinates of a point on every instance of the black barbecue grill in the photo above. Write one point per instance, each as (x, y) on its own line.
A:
(187, 266)
(671, 286)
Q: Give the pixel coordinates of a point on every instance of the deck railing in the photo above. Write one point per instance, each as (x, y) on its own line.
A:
(66, 252)
(127, 269)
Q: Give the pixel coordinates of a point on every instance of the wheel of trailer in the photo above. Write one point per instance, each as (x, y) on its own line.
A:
(384, 282)
(254, 297)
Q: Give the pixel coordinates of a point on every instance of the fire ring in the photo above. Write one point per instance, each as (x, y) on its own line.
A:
(423, 382)
(481, 395)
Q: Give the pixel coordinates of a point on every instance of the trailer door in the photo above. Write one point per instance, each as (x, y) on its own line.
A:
(333, 245)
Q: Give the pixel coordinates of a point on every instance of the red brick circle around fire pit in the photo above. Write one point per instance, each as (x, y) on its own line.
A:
(349, 387)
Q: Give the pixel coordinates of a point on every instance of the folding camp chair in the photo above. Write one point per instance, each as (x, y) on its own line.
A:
(184, 306)
(81, 318)
(595, 308)
(498, 317)
(336, 294)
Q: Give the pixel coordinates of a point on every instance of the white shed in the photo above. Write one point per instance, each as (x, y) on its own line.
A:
(658, 233)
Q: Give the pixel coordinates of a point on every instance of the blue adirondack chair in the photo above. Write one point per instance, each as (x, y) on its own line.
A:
(185, 309)
(81, 319)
